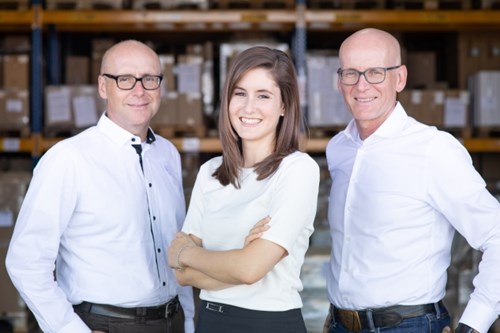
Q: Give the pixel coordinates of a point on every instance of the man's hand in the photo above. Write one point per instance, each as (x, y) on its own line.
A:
(447, 329)
(257, 230)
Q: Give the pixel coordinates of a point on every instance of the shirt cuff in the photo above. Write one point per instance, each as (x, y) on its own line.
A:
(75, 326)
(478, 316)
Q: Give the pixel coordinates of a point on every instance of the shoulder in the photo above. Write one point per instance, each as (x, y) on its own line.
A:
(299, 161)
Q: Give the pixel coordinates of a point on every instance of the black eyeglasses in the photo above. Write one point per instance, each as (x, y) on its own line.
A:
(127, 82)
(350, 76)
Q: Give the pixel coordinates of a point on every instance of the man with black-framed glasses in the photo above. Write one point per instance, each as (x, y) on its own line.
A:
(400, 190)
(101, 211)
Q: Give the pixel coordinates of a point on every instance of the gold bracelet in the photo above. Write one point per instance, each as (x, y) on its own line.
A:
(179, 266)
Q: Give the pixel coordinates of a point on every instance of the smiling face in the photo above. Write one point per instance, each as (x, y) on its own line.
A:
(255, 108)
(130, 109)
(371, 104)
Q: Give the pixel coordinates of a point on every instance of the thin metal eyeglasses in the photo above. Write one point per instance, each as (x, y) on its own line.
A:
(350, 76)
(128, 82)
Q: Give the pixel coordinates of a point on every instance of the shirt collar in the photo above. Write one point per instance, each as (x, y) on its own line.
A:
(119, 135)
(391, 126)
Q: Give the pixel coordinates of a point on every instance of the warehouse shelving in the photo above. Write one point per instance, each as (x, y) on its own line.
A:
(298, 21)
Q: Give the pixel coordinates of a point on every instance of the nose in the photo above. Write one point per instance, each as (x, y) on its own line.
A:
(362, 83)
(138, 88)
(248, 106)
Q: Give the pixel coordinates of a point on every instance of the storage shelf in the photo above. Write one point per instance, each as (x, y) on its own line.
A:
(403, 19)
(160, 20)
(212, 145)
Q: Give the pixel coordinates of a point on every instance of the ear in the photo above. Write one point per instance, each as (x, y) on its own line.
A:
(101, 84)
(402, 74)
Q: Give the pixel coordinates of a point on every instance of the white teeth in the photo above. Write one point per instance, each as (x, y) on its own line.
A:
(250, 120)
(365, 99)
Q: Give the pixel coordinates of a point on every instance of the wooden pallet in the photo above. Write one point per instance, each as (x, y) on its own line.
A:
(181, 131)
(170, 4)
(83, 4)
(429, 4)
(346, 4)
(487, 131)
(14, 4)
(254, 4)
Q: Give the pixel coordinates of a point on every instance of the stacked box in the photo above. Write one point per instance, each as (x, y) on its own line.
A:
(70, 108)
(13, 186)
(77, 70)
(16, 71)
(485, 88)
(421, 70)
(326, 106)
(477, 52)
(14, 110)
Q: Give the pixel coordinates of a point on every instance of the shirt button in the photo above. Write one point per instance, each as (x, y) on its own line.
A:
(154, 218)
(150, 185)
(164, 284)
(159, 250)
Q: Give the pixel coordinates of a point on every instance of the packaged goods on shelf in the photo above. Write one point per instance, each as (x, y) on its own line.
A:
(16, 44)
(325, 104)
(446, 109)
(477, 52)
(346, 4)
(77, 70)
(16, 71)
(255, 4)
(14, 111)
(13, 186)
(168, 64)
(71, 108)
(421, 70)
(485, 88)
(169, 4)
(83, 4)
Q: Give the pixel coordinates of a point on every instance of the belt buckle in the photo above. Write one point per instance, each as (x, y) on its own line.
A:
(350, 319)
(215, 307)
(171, 308)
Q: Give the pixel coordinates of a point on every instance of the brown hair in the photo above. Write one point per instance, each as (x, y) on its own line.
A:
(282, 70)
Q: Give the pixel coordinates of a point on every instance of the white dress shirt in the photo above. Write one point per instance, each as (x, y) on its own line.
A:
(222, 216)
(395, 201)
(102, 223)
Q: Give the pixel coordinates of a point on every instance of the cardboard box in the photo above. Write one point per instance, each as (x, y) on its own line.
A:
(167, 115)
(484, 89)
(426, 106)
(16, 71)
(77, 70)
(421, 70)
(190, 109)
(14, 109)
(69, 108)
(326, 105)
(168, 83)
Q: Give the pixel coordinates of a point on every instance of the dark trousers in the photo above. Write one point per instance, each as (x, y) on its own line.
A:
(97, 322)
(221, 318)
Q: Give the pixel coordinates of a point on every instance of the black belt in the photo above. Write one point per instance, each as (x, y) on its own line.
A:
(356, 321)
(167, 310)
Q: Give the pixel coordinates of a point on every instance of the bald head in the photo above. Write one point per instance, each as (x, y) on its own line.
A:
(127, 49)
(373, 41)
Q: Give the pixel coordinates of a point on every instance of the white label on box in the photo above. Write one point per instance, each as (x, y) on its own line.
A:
(6, 218)
(191, 145)
(85, 113)
(455, 112)
(14, 105)
(59, 108)
(439, 97)
(11, 144)
(189, 78)
(416, 97)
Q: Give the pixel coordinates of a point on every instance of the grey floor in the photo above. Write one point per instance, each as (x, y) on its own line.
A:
(314, 295)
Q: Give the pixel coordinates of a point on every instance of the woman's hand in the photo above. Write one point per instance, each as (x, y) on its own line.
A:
(177, 246)
(257, 230)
